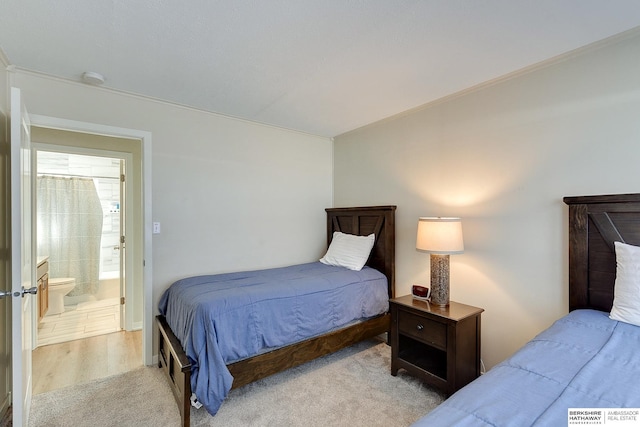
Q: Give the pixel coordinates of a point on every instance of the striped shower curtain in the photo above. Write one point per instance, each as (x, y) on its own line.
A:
(69, 221)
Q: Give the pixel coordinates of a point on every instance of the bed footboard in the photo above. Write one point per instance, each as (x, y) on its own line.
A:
(177, 368)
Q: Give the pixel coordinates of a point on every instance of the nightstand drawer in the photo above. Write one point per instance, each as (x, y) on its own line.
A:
(420, 328)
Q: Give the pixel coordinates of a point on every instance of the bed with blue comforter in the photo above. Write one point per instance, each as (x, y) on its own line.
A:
(584, 360)
(220, 319)
(224, 331)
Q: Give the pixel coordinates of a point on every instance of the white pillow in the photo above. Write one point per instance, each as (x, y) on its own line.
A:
(347, 250)
(626, 294)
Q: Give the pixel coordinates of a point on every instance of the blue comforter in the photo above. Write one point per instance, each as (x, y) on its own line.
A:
(224, 318)
(584, 360)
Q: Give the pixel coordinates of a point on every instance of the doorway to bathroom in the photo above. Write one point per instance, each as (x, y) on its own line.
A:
(81, 244)
(81, 360)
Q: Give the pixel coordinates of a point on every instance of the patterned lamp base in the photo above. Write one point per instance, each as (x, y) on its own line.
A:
(440, 279)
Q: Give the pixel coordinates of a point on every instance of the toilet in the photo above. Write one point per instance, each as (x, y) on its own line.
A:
(58, 288)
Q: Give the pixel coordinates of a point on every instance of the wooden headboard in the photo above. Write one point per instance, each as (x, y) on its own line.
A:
(363, 221)
(595, 222)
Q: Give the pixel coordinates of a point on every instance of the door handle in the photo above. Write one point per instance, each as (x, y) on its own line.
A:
(31, 291)
(8, 294)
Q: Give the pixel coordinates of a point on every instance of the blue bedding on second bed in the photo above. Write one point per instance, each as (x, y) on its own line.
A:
(584, 360)
(220, 319)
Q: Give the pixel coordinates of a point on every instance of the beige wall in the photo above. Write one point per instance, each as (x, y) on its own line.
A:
(502, 157)
(229, 194)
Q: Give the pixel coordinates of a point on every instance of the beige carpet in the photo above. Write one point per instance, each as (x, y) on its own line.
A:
(350, 388)
(7, 419)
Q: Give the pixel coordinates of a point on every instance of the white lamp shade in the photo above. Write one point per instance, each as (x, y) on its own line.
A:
(440, 235)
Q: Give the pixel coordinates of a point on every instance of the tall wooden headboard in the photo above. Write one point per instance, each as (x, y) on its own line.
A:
(363, 221)
(595, 222)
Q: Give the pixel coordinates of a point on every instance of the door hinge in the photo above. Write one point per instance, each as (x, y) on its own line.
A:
(122, 178)
(121, 239)
(121, 300)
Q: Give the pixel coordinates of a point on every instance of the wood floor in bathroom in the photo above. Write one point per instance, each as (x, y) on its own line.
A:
(75, 362)
(87, 319)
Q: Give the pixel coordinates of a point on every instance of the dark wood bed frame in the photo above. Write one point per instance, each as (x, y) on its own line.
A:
(595, 222)
(360, 221)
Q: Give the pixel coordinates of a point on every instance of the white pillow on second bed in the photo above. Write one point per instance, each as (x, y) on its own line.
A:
(626, 293)
(348, 250)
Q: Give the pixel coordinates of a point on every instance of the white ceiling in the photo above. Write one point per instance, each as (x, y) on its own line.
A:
(319, 66)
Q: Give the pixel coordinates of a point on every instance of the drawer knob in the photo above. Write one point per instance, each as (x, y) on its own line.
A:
(420, 327)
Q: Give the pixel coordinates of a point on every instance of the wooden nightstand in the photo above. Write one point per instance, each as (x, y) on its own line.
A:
(441, 345)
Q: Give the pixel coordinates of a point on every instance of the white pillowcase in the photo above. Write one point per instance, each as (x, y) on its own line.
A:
(626, 294)
(348, 250)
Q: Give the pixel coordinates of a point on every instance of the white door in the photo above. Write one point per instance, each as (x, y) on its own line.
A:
(123, 223)
(22, 259)
(5, 285)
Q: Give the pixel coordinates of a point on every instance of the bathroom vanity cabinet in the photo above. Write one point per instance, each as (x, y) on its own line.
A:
(43, 287)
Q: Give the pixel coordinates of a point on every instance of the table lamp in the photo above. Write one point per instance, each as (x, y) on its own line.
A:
(440, 237)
